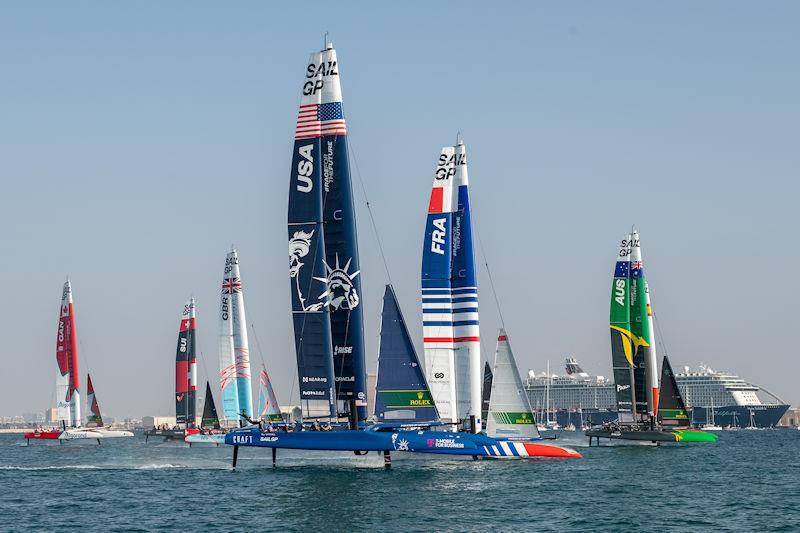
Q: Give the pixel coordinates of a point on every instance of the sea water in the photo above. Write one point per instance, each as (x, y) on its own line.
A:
(747, 481)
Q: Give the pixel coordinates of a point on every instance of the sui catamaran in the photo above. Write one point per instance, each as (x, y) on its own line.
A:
(646, 413)
(326, 293)
(185, 380)
(68, 386)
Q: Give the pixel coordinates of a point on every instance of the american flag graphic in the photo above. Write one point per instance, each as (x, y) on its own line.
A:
(230, 285)
(316, 120)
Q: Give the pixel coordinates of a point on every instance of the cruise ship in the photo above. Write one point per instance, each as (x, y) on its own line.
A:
(577, 397)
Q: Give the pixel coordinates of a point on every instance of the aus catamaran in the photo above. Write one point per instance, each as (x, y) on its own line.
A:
(68, 386)
(645, 411)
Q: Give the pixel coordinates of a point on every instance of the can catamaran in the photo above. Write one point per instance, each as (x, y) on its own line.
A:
(633, 357)
(68, 385)
(326, 296)
(234, 351)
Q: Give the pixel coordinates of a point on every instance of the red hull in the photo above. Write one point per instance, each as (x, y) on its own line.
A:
(43, 435)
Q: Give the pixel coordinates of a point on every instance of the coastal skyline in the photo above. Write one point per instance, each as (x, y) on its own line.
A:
(140, 143)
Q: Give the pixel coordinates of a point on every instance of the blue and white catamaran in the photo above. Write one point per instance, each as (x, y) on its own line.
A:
(326, 296)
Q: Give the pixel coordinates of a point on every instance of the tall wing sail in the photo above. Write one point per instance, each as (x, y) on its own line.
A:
(465, 298)
(402, 393)
(186, 368)
(210, 418)
(68, 382)
(94, 420)
(268, 407)
(640, 329)
(623, 344)
(486, 395)
(307, 270)
(321, 118)
(437, 305)
(510, 414)
(237, 376)
(671, 408)
(227, 357)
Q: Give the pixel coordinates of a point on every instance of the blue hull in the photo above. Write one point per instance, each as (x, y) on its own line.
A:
(425, 441)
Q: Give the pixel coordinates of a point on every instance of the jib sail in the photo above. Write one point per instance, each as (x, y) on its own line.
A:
(402, 393)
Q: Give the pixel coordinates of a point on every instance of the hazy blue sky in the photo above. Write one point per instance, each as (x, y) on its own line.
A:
(139, 140)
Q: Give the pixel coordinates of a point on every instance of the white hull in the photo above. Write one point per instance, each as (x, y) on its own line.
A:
(199, 438)
(93, 433)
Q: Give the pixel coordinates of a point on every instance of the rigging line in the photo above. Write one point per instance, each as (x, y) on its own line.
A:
(488, 271)
(371, 215)
(657, 323)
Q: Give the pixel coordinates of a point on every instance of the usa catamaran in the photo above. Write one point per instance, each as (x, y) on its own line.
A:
(645, 412)
(326, 295)
(68, 386)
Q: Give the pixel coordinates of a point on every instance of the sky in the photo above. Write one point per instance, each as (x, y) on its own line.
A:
(139, 141)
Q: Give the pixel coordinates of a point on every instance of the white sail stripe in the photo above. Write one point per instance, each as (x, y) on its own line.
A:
(451, 289)
(448, 305)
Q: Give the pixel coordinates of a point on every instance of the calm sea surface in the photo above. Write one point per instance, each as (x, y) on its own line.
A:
(747, 481)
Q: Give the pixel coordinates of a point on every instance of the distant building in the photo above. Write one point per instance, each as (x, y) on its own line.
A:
(51, 416)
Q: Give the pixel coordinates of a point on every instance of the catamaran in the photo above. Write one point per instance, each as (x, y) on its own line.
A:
(185, 379)
(326, 295)
(68, 386)
(645, 412)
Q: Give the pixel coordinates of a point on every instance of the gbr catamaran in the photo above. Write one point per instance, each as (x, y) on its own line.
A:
(326, 296)
(68, 386)
(647, 412)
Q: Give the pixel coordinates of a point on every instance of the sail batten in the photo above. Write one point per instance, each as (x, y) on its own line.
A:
(402, 392)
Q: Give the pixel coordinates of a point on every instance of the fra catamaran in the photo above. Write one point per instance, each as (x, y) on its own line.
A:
(68, 386)
(646, 413)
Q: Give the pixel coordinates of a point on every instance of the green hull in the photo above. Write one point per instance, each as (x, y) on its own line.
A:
(658, 435)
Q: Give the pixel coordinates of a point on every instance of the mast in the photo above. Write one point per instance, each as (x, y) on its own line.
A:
(186, 368)
(623, 343)
(652, 364)
(450, 293)
(68, 382)
(235, 380)
(402, 393)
